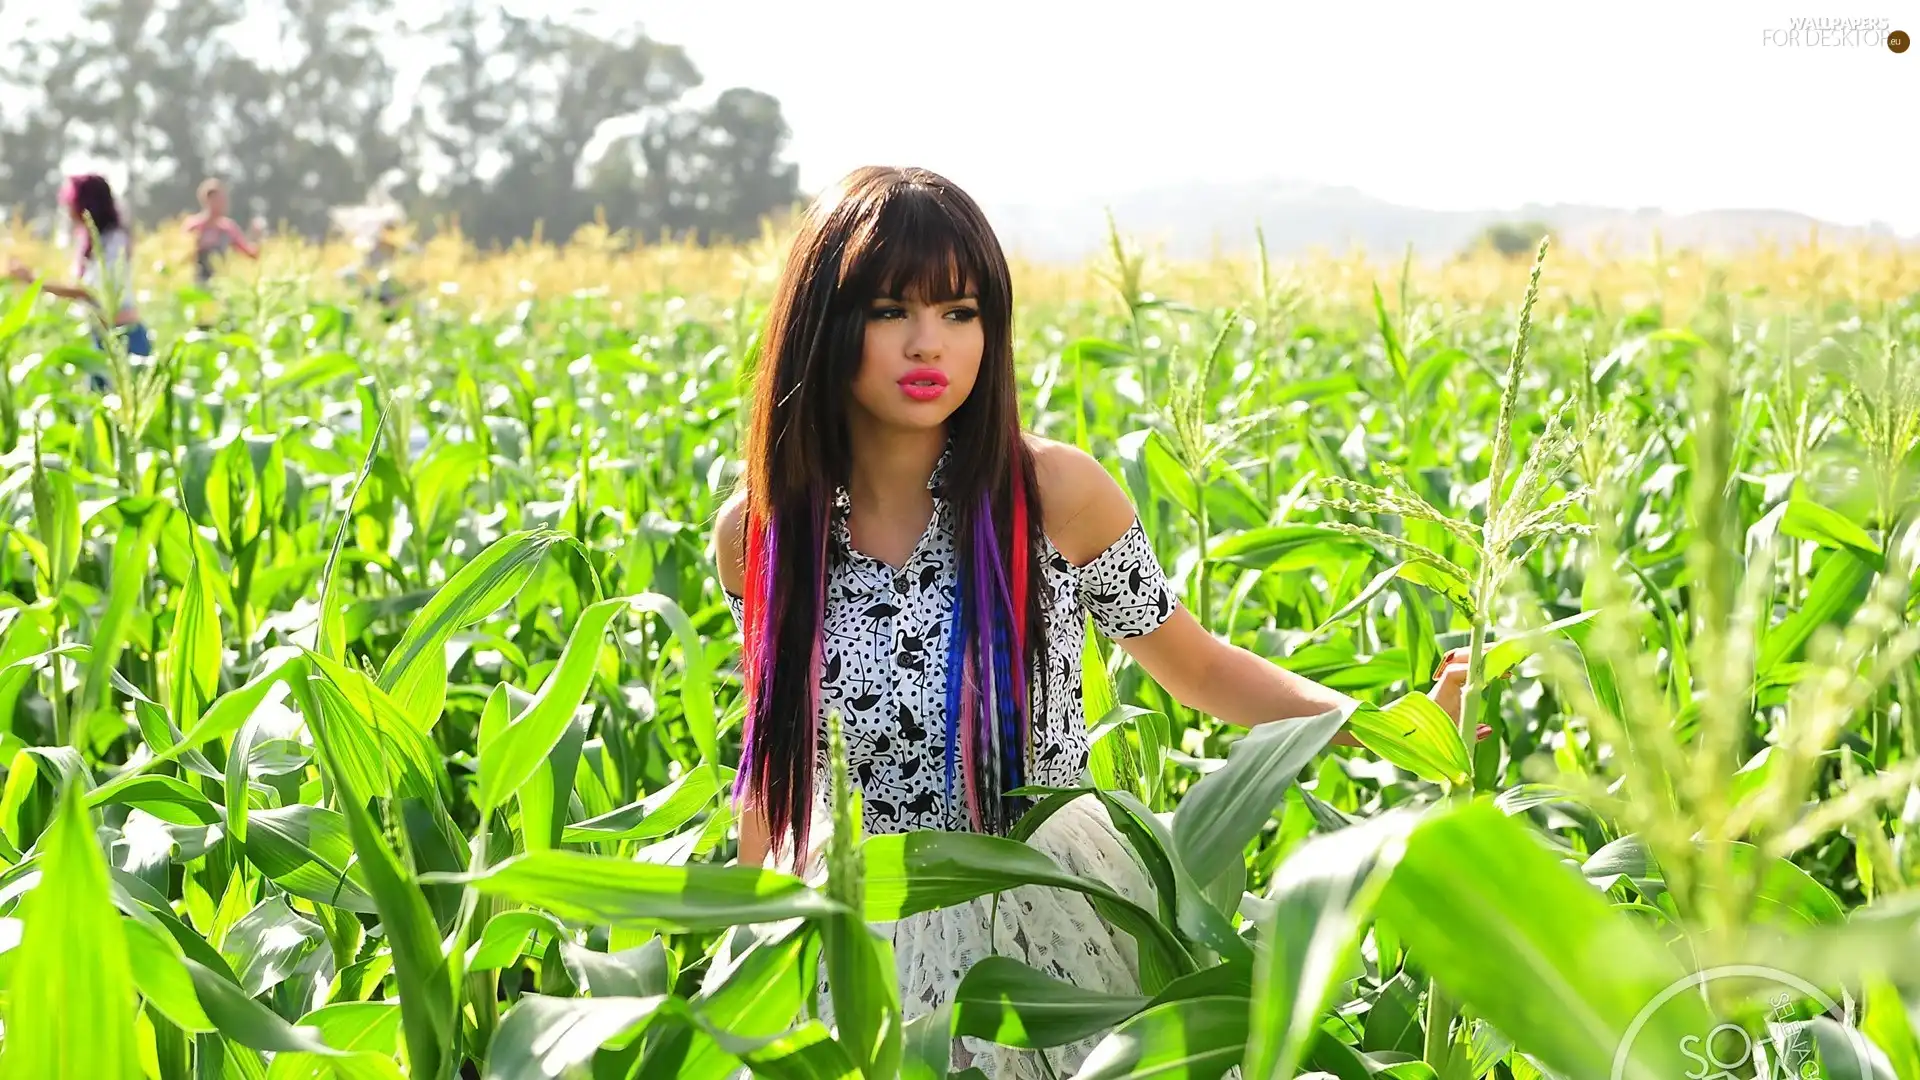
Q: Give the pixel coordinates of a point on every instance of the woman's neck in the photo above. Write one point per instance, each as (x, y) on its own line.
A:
(891, 465)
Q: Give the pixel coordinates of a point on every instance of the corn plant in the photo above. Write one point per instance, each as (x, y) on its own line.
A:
(368, 706)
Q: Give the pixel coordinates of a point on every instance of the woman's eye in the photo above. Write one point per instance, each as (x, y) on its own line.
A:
(965, 314)
(888, 312)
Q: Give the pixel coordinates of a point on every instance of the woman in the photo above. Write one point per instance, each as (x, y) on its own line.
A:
(214, 232)
(903, 553)
(105, 273)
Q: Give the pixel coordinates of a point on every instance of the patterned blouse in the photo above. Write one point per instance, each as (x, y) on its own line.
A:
(884, 662)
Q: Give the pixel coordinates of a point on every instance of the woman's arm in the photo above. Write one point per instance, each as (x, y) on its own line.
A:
(1086, 513)
(66, 292)
(240, 241)
(21, 272)
(753, 835)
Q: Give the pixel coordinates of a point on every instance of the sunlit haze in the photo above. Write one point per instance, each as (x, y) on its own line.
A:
(1445, 106)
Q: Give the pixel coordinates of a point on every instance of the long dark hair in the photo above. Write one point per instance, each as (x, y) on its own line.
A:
(91, 197)
(884, 232)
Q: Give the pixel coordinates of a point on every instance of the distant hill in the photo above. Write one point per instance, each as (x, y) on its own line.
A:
(1195, 220)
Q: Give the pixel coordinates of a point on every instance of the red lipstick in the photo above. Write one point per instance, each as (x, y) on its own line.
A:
(924, 384)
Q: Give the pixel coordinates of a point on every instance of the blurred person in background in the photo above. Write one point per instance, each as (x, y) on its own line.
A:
(214, 233)
(103, 267)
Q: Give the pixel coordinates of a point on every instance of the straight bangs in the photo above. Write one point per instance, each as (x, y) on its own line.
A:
(921, 242)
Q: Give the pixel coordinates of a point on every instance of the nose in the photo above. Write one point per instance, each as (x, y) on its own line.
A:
(923, 343)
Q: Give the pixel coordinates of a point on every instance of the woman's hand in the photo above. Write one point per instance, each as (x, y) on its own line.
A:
(1450, 688)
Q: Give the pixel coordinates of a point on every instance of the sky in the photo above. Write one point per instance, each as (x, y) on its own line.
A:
(1687, 106)
(1680, 105)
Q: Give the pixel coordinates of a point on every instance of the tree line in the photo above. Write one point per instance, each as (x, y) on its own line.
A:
(298, 105)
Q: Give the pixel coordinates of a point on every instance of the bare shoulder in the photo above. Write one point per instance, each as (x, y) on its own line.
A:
(730, 543)
(1086, 510)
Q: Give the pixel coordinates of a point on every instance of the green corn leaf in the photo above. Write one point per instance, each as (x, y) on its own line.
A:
(415, 674)
(160, 974)
(808, 1052)
(1837, 591)
(543, 807)
(696, 685)
(70, 1006)
(926, 1049)
(1195, 913)
(1322, 897)
(426, 990)
(307, 851)
(247, 1022)
(546, 1037)
(1264, 548)
(132, 552)
(56, 523)
(510, 935)
(1004, 1001)
(366, 1035)
(388, 753)
(659, 814)
(199, 999)
(221, 719)
(1507, 654)
(1416, 734)
(758, 997)
(1808, 520)
(1222, 813)
(17, 315)
(239, 780)
(517, 751)
(232, 709)
(859, 961)
(1380, 583)
(1384, 323)
(166, 798)
(1890, 1026)
(907, 873)
(330, 630)
(637, 972)
(1530, 946)
(272, 944)
(193, 655)
(1188, 1039)
(677, 899)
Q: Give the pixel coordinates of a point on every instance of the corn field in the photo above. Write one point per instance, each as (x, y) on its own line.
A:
(370, 701)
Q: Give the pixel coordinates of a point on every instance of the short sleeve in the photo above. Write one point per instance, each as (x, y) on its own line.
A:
(112, 264)
(737, 605)
(1124, 589)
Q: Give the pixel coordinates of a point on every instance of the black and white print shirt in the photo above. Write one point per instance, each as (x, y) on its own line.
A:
(884, 662)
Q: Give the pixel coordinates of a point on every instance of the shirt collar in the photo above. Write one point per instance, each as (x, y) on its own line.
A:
(843, 500)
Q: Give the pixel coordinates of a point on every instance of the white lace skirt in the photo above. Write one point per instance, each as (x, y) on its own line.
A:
(1052, 930)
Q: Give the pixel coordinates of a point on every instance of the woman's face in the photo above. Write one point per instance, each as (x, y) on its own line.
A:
(217, 202)
(919, 360)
